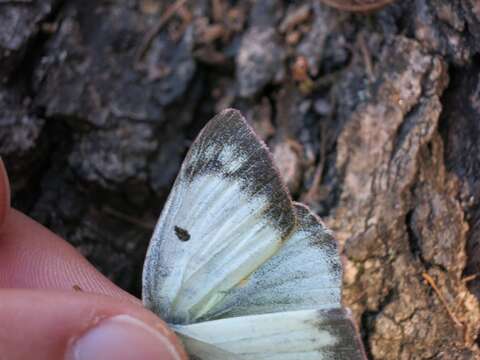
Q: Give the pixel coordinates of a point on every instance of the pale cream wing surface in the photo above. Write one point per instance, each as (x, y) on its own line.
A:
(200, 350)
(304, 274)
(228, 212)
(292, 335)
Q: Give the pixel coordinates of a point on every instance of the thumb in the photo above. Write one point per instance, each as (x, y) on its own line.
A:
(72, 325)
(4, 192)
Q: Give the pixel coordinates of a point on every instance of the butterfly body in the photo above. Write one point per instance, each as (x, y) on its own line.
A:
(238, 269)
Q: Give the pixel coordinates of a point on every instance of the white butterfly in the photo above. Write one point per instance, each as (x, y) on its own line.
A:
(236, 268)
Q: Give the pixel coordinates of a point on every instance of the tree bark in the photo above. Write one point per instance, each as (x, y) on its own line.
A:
(373, 120)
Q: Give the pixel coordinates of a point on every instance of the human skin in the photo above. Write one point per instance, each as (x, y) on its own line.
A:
(55, 305)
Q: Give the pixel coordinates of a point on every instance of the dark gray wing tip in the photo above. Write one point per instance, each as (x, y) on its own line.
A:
(312, 223)
(340, 323)
(257, 171)
(320, 236)
(234, 118)
(360, 349)
(303, 211)
(227, 117)
(231, 113)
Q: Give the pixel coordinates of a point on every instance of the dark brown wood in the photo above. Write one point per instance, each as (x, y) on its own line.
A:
(383, 111)
(358, 5)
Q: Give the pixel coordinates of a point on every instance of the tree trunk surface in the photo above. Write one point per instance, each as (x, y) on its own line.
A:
(373, 119)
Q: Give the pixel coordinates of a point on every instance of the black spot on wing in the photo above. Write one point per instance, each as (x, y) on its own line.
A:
(182, 234)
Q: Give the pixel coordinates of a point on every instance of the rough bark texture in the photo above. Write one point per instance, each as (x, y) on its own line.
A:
(373, 120)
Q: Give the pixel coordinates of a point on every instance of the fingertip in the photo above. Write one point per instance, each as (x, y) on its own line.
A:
(77, 326)
(124, 337)
(4, 192)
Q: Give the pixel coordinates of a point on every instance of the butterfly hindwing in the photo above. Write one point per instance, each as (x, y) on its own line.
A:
(304, 274)
(299, 335)
(228, 212)
(200, 350)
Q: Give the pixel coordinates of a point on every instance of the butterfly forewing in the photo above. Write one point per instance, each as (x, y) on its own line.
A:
(228, 213)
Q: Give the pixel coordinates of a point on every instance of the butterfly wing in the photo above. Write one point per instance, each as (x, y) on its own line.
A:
(299, 335)
(304, 274)
(228, 212)
(259, 274)
(201, 350)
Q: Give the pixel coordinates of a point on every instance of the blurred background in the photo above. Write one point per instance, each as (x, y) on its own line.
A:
(373, 119)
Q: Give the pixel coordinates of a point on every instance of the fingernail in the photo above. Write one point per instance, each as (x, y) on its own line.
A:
(4, 192)
(123, 338)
